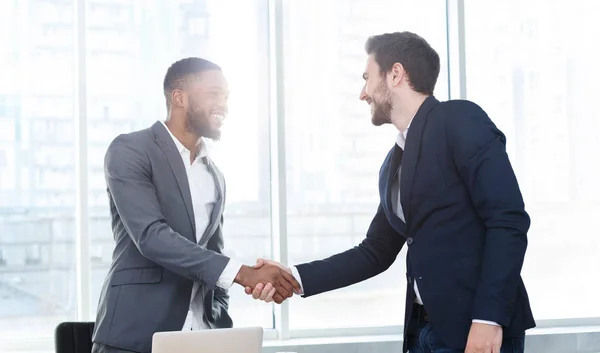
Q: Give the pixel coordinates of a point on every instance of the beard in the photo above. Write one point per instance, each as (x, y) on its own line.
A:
(198, 122)
(382, 108)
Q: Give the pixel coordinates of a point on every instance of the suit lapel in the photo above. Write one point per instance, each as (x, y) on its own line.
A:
(411, 153)
(217, 212)
(165, 142)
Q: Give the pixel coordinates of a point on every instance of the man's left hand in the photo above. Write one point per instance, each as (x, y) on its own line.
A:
(484, 338)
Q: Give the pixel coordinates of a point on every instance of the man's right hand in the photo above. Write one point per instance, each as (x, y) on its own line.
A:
(283, 282)
(265, 291)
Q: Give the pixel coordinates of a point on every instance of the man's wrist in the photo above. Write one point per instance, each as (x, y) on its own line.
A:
(296, 275)
(227, 277)
(242, 274)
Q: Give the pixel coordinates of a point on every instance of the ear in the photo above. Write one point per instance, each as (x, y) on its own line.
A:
(178, 98)
(397, 74)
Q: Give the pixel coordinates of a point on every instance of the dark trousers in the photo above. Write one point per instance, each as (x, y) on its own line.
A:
(421, 338)
(102, 348)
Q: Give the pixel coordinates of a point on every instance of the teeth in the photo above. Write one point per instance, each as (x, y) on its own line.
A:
(219, 117)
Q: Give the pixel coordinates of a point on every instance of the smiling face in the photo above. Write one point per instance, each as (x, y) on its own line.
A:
(377, 93)
(205, 103)
(202, 100)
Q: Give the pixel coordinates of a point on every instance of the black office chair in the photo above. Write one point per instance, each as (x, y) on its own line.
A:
(73, 337)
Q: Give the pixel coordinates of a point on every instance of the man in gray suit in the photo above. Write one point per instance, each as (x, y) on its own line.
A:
(166, 202)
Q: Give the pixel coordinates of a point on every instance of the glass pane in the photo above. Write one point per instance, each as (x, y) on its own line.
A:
(333, 151)
(535, 71)
(37, 168)
(130, 46)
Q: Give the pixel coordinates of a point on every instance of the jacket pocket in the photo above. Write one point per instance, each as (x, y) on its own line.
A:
(140, 275)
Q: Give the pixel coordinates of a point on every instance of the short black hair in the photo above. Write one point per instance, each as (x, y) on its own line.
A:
(420, 61)
(183, 71)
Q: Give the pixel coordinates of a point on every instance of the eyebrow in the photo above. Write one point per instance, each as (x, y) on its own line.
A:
(219, 89)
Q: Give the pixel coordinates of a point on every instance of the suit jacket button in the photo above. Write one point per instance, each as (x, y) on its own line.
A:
(409, 241)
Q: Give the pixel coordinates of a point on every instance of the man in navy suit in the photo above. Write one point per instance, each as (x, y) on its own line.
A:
(447, 191)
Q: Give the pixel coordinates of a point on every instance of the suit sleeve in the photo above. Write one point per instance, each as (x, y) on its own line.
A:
(375, 254)
(479, 154)
(129, 180)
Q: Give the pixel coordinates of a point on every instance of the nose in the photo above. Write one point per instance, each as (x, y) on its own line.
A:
(222, 101)
(363, 95)
(221, 104)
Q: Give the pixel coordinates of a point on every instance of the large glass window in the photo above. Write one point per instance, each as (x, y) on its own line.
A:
(334, 152)
(130, 46)
(533, 66)
(37, 173)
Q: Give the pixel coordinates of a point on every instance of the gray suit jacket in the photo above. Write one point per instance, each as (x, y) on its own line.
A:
(157, 258)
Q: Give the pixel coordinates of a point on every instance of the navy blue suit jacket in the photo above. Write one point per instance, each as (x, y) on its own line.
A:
(466, 226)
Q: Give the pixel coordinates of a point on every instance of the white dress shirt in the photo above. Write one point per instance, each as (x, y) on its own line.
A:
(397, 205)
(203, 191)
(397, 208)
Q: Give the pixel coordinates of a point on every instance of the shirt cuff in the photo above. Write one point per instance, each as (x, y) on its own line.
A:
(225, 281)
(296, 275)
(486, 322)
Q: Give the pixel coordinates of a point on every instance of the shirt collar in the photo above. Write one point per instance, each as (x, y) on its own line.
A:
(401, 138)
(181, 148)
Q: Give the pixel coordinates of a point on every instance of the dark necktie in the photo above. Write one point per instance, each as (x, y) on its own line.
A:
(395, 161)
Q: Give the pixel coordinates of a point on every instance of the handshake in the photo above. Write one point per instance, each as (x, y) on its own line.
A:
(268, 280)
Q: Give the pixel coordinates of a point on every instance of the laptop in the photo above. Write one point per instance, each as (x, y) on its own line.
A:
(231, 340)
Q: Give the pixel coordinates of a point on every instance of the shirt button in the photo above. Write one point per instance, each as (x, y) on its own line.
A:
(409, 241)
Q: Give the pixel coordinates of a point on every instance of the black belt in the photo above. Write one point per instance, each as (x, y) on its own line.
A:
(419, 313)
